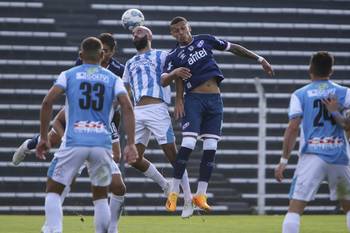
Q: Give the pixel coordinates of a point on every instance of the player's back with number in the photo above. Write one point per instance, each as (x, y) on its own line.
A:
(90, 91)
(320, 134)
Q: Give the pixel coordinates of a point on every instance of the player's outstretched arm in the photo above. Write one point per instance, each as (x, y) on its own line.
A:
(290, 137)
(130, 151)
(243, 52)
(45, 117)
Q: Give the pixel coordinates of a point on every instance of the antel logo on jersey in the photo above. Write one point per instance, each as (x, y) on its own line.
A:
(197, 55)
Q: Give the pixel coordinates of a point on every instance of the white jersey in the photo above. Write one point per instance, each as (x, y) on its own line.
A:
(143, 74)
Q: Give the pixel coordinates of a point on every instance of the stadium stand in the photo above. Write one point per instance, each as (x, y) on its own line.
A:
(38, 39)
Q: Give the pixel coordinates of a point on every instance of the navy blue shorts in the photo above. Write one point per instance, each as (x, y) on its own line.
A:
(203, 115)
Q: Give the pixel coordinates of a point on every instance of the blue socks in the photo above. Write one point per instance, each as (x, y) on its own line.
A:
(207, 165)
(33, 142)
(181, 161)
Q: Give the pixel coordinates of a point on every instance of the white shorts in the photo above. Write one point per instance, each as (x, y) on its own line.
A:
(155, 119)
(309, 174)
(114, 167)
(67, 162)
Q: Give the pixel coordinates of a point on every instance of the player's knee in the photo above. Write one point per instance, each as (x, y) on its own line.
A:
(118, 187)
(210, 144)
(189, 142)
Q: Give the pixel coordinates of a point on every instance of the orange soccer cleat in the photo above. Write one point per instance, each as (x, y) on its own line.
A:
(170, 204)
(200, 200)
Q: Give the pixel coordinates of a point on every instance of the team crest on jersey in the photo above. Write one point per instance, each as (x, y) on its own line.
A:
(200, 44)
(185, 125)
(91, 70)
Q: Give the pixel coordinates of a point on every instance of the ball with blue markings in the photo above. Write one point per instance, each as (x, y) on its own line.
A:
(132, 18)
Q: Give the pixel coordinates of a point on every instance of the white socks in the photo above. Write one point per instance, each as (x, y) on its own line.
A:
(64, 194)
(202, 187)
(348, 220)
(155, 175)
(291, 223)
(185, 184)
(102, 215)
(116, 204)
(53, 212)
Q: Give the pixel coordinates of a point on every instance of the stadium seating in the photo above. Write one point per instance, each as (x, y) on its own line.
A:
(38, 39)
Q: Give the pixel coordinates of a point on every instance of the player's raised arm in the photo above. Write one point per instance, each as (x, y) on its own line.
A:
(243, 52)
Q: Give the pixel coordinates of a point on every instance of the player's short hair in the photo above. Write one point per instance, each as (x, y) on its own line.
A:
(178, 19)
(91, 47)
(321, 64)
(107, 38)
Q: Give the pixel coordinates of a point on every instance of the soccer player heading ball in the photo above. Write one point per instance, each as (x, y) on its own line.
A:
(192, 66)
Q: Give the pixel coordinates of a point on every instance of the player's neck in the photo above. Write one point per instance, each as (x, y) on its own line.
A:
(317, 78)
(185, 43)
(144, 50)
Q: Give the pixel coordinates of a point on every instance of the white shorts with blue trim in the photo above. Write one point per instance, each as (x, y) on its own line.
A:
(153, 119)
(68, 161)
(311, 171)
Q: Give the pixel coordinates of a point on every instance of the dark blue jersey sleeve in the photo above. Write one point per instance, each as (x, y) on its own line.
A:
(170, 61)
(216, 43)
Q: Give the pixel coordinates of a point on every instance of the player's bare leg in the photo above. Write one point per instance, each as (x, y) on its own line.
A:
(149, 170)
(169, 150)
(345, 204)
(291, 223)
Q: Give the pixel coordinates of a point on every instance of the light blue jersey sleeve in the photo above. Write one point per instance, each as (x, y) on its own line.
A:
(61, 81)
(295, 108)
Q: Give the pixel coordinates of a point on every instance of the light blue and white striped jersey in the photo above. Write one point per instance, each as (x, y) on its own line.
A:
(142, 72)
(90, 92)
(320, 134)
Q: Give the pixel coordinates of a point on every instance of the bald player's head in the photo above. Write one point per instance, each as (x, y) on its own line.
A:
(142, 37)
(91, 50)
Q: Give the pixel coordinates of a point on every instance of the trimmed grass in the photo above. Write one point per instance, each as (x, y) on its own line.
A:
(174, 224)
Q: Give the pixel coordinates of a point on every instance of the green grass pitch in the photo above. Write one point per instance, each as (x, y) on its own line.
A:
(174, 224)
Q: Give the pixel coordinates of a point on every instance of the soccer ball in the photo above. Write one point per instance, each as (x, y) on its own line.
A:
(132, 18)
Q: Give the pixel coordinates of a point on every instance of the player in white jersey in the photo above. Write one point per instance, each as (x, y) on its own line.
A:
(90, 93)
(324, 148)
(142, 76)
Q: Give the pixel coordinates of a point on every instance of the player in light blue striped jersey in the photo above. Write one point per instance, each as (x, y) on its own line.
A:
(324, 148)
(91, 91)
(142, 76)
